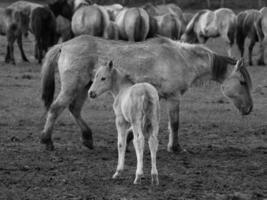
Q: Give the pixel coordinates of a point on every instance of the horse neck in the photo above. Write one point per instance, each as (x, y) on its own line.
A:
(120, 83)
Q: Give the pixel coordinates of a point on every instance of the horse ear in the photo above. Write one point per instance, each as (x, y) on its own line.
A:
(110, 64)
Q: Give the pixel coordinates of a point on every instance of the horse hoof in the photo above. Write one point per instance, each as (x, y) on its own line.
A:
(261, 63)
(250, 63)
(175, 149)
(138, 179)
(117, 174)
(88, 144)
(48, 144)
(154, 179)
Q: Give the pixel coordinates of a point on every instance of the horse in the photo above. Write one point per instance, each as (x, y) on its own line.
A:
(112, 31)
(136, 106)
(13, 24)
(187, 17)
(92, 20)
(249, 25)
(62, 7)
(43, 26)
(168, 25)
(163, 9)
(24, 6)
(172, 67)
(63, 28)
(206, 24)
(133, 24)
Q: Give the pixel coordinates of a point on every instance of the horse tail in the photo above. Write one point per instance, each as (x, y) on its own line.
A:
(139, 26)
(232, 30)
(48, 75)
(146, 124)
(259, 30)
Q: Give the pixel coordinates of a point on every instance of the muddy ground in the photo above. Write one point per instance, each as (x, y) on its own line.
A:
(226, 154)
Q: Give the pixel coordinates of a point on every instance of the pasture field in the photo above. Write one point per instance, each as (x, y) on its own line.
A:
(226, 154)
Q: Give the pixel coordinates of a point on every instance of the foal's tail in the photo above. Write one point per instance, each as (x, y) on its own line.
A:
(148, 112)
(48, 75)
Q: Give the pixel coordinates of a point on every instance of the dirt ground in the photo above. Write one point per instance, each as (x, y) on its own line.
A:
(226, 154)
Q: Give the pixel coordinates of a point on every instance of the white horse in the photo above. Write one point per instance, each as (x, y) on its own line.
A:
(136, 106)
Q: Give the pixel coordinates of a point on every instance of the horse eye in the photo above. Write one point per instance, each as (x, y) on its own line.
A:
(103, 78)
(244, 83)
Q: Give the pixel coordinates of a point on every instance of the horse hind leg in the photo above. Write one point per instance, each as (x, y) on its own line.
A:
(261, 58)
(75, 109)
(121, 126)
(19, 42)
(61, 102)
(139, 149)
(153, 146)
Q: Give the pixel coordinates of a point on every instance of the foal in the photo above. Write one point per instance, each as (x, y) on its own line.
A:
(136, 107)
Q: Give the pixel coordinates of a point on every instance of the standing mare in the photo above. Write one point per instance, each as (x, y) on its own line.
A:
(136, 106)
(170, 66)
(13, 24)
(206, 24)
(249, 25)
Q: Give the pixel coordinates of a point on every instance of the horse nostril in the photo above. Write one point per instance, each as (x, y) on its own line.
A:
(92, 94)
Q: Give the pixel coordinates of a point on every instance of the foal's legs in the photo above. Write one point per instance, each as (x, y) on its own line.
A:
(121, 125)
(75, 109)
(19, 41)
(61, 102)
(139, 149)
(173, 109)
(153, 146)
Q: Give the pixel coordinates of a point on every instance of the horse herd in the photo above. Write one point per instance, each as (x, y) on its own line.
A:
(69, 18)
(137, 74)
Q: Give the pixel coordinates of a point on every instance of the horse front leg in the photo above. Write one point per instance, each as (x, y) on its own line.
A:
(173, 114)
(261, 58)
(75, 109)
(19, 41)
(250, 49)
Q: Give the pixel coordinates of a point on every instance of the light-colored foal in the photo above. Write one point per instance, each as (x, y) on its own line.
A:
(136, 107)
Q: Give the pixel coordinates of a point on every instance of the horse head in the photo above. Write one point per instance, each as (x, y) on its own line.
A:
(237, 87)
(102, 80)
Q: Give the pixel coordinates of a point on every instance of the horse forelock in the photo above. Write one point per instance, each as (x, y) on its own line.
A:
(219, 66)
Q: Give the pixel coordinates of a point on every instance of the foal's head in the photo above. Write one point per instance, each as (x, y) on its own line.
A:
(237, 87)
(102, 80)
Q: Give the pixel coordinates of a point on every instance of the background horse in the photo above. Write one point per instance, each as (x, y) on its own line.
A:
(207, 23)
(62, 7)
(133, 24)
(136, 106)
(91, 20)
(168, 25)
(43, 25)
(172, 67)
(249, 25)
(13, 24)
(63, 28)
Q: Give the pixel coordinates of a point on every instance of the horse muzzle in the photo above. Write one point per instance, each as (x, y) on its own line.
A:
(92, 94)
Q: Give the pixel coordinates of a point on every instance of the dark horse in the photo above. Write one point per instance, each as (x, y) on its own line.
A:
(43, 24)
(62, 7)
(249, 25)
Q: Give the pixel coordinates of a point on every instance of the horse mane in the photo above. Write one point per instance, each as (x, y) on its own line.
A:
(219, 66)
(190, 26)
